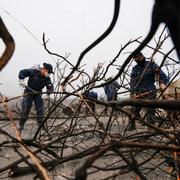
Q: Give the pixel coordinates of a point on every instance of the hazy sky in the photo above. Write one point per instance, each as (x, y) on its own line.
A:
(70, 26)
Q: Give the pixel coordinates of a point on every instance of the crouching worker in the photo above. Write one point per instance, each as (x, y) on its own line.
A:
(91, 95)
(38, 78)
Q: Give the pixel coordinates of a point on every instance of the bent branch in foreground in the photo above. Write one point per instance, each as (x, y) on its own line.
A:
(9, 43)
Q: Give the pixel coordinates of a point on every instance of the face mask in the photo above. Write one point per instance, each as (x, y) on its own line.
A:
(46, 74)
(140, 63)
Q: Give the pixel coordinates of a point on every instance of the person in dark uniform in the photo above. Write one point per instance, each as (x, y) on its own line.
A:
(142, 85)
(38, 78)
(111, 91)
(91, 95)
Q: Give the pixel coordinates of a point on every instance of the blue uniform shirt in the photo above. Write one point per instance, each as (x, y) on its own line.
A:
(36, 81)
(92, 95)
(111, 90)
(144, 81)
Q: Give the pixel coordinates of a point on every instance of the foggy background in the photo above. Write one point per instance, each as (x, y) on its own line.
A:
(70, 26)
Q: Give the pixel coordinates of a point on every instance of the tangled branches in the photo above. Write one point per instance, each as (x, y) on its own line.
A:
(76, 143)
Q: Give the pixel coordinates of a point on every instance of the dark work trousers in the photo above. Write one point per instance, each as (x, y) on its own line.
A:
(26, 107)
(150, 116)
(109, 98)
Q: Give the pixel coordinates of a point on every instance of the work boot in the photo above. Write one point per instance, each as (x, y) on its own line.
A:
(21, 127)
(21, 124)
(131, 126)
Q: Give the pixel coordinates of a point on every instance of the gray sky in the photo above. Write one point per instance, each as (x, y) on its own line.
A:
(70, 26)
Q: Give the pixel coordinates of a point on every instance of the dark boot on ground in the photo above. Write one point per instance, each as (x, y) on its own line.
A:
(131, 126)
(21, 126)
(22, 123)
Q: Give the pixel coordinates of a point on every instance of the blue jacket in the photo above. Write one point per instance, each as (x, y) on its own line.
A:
(92, 95)
(111, 90)
(144, 81)
(36, 81)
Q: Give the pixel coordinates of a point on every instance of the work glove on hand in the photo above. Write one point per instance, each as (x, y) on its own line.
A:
(162, 87)
(22, 83)
(49, 89)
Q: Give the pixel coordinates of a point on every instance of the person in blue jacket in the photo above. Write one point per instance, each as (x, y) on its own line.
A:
(94, 96)
(111, 91)
(38, 78)
(142, 85)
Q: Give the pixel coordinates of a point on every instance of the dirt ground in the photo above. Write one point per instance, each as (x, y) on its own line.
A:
(67, 170)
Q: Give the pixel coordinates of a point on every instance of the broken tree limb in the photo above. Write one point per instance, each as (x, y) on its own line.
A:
(9, 43)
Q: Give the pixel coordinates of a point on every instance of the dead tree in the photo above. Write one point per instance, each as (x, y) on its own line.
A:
(9, 44)
(77, 144)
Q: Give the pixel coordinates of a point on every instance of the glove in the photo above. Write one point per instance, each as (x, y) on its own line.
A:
(162, 87)
(49, 89)
(22, 83)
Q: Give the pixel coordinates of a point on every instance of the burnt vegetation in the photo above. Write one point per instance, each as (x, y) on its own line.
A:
(76, 143)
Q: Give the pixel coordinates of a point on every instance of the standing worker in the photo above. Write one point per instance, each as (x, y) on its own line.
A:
(111, 91)
(38, 79)
(142, 85)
